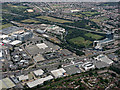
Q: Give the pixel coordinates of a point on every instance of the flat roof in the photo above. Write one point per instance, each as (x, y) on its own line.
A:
(16, 42)
(22, 77)
(100, 64)
(11, 29)
(105, 59)
(32, 49)
(38, 58)
(58, 72)
(6, 83)
(35, 83)
(42, 46)
(39, 81)
(38, 72)
(72, 70)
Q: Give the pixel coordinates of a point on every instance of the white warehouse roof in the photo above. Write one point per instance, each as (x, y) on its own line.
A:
(22, 77)
(3, 36)
(41, 46)
(16, 42)
(88, 66)
(104, 58)
(58, 73)
(38, 72)
(39, 81)
(6, 83)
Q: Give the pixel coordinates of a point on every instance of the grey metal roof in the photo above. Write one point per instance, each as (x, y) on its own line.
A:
(72, 70)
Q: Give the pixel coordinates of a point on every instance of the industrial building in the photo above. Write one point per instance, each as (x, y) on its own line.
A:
(15, 43)
(41, 46)
(100, 43)
(39, 81)
(72, 70)
(104, 58)
(23, 77)
(87, 66)
(38, 58)
(38, 72)
(58, 73)
(6, 83)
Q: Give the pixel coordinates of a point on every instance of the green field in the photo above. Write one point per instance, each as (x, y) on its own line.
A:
(79, 15)
(99, 19)
(5, 26)
(94, 36)
(80, 41)
(29, 21)
(90, 13)
(1, 18)
(54, 19)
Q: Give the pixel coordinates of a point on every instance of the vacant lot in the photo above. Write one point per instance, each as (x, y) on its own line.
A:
(5, 26)
(94, 36)
(29, 21)
(80, 41)
(54, 19)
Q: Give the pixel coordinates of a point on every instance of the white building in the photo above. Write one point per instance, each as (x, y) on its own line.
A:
(41, 46)
(58, 73)
(39, 81)
(16, 42)
(38, 72)
(22, 77)
(6, 83)
(104, 58)
(88, 65)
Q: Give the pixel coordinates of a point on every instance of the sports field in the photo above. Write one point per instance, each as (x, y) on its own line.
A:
(80, 41)
(94, 36)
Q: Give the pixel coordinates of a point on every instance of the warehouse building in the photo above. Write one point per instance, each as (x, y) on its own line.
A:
(23, 77)
(39, 81)
(72, 70)
(58, 73)
(6, 83)
(41, 46)
(38, 58)
(15, 43)
(38, 72)
(104, 58)
(88, 65)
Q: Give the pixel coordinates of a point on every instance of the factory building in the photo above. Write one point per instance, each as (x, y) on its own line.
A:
(25, 36)
(100, 43)
(88, 65)
(104, 58)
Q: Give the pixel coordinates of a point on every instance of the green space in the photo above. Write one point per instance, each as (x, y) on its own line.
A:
(1, 18)
(80, 41)
(79, 15)
(54, 19)
(100, 19)
(29, 21)
(5, 26)
(89, 13)
(94, 36)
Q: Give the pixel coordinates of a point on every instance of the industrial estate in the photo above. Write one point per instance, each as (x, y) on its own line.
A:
(60, 45)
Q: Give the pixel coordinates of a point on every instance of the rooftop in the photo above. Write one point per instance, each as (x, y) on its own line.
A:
(38, 72)
(16, 42)
(42, 46)
(58, 73)
(6, 83)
